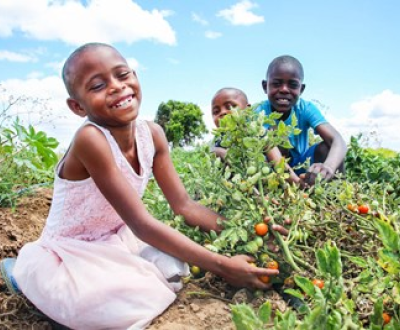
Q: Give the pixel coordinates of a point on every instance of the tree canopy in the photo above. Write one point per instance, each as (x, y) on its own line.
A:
(182, 122)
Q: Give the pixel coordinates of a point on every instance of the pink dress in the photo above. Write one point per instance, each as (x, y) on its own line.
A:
(88, 270)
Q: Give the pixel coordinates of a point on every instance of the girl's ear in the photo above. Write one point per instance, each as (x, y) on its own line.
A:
(302, 88)
(75, 107)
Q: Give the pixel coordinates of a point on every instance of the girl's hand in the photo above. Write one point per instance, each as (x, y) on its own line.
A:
(239, 272)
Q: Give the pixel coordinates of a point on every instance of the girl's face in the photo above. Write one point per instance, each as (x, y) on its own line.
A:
(105, 88)
(224, 102)
(283, 87)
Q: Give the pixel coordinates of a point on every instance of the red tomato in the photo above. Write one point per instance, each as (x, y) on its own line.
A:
(363, 209)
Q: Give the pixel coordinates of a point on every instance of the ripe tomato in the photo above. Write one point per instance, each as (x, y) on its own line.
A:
(261, 229)
(318, 283)
(363, 209)
(352, 207)
(272, 264)
(386, 318)
(264, 278)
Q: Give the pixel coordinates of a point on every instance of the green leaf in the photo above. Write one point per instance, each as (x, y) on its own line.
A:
(389, 237)
(244, 318)
(264, 312)
(305, 284)
(322, 261)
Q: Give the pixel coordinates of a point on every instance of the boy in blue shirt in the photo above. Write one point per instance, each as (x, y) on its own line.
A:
(284, 86)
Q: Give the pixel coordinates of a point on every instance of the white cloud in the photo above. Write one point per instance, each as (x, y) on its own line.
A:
(213, 34)
(197, 18)
(376, 117)
(240, 14)
(75, 23)
(133, 63)
(15, 57)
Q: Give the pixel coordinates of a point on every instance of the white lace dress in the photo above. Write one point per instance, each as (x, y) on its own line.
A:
(88, 270)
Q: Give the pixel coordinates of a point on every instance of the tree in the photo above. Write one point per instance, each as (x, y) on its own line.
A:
(182, 122)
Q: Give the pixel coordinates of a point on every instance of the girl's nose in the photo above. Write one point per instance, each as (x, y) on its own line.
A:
(116, 85)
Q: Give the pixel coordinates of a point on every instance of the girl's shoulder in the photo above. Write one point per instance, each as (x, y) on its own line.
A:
(158, 135)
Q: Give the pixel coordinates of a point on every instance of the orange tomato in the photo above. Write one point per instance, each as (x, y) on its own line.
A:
(363, 209)
(352, 207)
(318, 283)
(272, 264)
(264, 278)
(386, 318)
(261, 229)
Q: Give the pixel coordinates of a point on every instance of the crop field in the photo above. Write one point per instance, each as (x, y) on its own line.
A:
(339, 266)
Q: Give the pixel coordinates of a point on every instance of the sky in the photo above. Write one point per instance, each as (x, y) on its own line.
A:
(187, 50)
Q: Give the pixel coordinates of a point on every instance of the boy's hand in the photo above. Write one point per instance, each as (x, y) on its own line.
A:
(316, 169)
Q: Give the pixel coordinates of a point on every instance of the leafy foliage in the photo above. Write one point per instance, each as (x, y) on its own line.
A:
(355, 254)
(27, 156)
(182, 122)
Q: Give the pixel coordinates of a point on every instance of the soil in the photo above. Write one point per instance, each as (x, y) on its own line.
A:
(203, 303)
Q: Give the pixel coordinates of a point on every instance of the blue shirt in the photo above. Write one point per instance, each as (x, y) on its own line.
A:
(308, 116)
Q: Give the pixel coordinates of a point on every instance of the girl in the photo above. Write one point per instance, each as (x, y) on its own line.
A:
(102, 261)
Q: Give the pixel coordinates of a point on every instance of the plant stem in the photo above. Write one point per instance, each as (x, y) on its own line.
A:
(278, 236)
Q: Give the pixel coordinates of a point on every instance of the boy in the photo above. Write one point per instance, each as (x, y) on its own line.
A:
(223, 101)
(284, 86)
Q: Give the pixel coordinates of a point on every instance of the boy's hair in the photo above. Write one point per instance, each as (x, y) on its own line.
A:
(233, 89)
(71, 59)
(286, 59)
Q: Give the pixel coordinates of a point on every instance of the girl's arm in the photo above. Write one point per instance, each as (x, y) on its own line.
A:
(91, 149)
(164, 172)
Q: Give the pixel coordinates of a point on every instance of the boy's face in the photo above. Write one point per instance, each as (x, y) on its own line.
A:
(105, 89)
(283, 87)
(224, 102)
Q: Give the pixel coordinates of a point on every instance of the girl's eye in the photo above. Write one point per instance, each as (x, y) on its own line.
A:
(97, 87)
(123, 74)
(294, 85)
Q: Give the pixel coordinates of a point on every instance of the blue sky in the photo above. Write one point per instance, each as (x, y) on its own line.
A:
(187, 50)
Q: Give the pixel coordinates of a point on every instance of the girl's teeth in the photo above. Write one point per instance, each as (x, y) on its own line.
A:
(123, 103)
